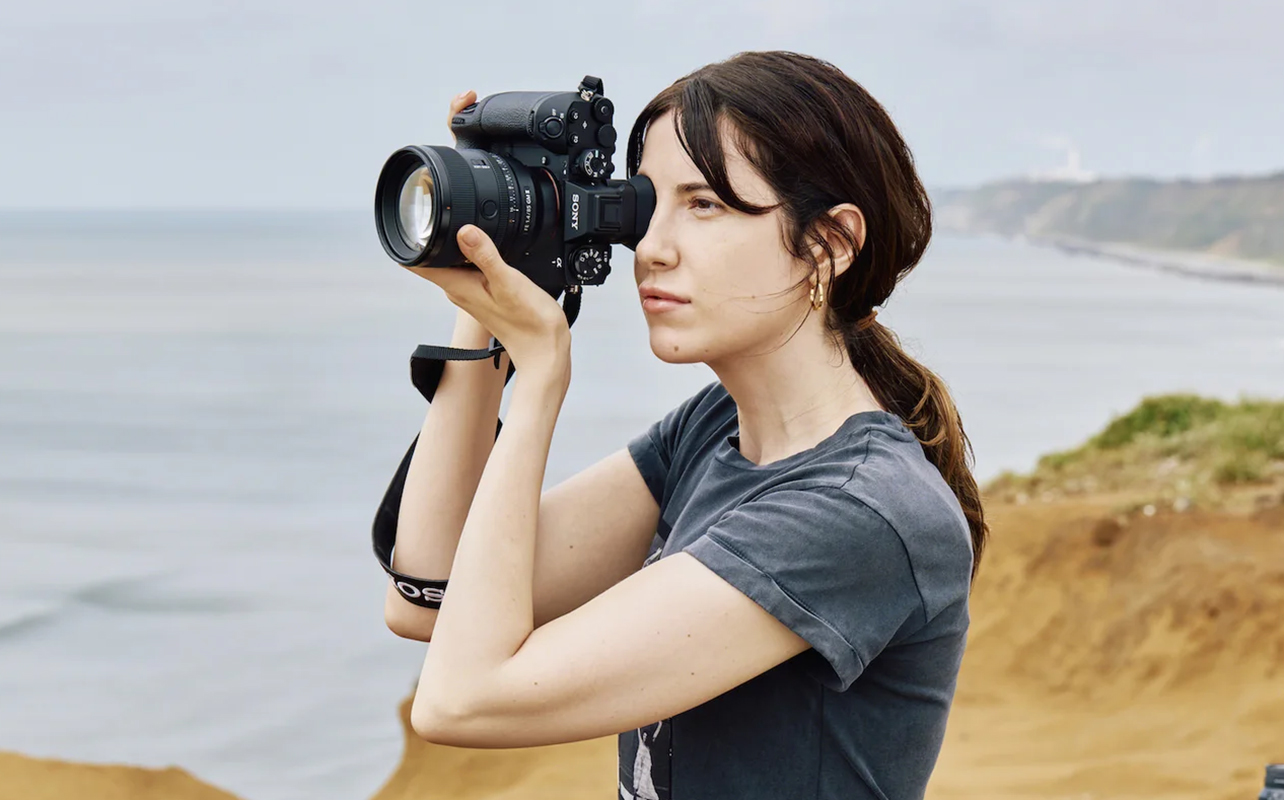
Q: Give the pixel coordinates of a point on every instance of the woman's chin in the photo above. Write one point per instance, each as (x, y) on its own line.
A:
(671, 350)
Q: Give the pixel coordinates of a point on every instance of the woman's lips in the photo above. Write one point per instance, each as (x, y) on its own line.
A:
(658, 305)
(656, 301)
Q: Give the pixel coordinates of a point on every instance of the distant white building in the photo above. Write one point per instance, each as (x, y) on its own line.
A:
(1071, 171)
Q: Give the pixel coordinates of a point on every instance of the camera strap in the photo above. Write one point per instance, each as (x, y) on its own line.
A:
(427, 364)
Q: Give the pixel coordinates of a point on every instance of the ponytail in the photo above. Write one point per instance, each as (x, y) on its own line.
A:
(920, 398)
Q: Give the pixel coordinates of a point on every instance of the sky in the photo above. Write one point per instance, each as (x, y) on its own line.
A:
(275, 104)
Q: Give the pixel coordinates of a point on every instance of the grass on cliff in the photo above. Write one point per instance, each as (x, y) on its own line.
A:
(1173, 450)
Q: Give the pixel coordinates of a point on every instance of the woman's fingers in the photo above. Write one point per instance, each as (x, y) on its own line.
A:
(459, 101)
(480, 249)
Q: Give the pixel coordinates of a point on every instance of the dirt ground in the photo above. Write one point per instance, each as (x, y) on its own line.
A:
(1109, 657)
(1108, 660)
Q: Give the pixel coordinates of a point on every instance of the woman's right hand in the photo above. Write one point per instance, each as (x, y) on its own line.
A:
(457, 103)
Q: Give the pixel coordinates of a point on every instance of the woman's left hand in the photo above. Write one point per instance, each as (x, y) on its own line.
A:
(525, 319)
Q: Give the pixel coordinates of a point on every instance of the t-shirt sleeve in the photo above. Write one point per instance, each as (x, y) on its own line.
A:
(655, 449)
(824, 564)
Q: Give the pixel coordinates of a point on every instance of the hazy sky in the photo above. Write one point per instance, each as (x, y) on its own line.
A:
(143, 103)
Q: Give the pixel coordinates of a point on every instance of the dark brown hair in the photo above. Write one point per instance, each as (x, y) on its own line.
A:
(819, 140)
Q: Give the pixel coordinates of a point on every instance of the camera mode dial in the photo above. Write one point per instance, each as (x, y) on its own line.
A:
(593, 163)
(591, 263)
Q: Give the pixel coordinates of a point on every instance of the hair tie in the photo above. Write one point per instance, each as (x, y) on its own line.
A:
(867, 320)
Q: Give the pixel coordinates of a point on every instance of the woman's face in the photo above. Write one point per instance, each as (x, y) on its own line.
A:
(729, 269)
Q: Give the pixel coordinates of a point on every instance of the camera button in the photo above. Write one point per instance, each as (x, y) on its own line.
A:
(551, 128)
(489, 209)
(602, 110)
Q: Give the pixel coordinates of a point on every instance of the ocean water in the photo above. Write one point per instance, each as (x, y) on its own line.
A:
(200, 411)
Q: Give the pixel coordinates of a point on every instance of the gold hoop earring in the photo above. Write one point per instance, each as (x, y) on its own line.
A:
(817, 295)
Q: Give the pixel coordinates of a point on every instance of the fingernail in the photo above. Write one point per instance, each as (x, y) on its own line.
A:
(470, 235)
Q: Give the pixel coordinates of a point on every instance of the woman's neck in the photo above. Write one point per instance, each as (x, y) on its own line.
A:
(793, 398)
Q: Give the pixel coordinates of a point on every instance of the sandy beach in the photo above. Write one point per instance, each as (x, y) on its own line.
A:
(1110, 657)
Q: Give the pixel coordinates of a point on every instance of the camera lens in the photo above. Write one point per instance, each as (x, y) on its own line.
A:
(426, 194)
(415, 209)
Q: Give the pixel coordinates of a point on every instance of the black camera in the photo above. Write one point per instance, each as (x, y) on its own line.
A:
(532, 169)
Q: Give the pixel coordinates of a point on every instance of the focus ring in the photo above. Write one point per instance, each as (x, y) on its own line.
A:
(463, 194)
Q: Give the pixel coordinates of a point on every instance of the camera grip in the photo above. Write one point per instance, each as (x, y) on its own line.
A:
(505, 115)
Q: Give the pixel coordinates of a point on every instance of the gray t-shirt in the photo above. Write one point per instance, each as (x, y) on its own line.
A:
(860, 547)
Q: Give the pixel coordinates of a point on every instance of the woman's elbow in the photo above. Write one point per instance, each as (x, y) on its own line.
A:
(408, 621)
(428, 722)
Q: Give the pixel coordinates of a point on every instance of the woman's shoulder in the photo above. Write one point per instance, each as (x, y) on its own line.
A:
(875, 475)
(894, 479)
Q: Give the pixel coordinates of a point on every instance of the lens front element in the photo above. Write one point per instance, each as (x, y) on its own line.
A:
(415, 209)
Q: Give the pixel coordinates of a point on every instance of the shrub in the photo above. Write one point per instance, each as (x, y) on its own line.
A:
(1163, 416)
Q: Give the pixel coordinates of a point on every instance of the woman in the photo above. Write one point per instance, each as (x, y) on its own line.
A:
(764, 594)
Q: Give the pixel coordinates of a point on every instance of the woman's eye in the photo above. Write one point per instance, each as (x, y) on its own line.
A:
(703, 204)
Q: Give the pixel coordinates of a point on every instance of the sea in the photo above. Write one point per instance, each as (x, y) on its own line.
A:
(200, 411)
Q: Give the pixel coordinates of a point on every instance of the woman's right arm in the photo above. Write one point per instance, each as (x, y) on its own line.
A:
(454, 444)
(594, 529)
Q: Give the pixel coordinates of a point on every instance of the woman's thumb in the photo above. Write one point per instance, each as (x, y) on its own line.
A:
(478, 247)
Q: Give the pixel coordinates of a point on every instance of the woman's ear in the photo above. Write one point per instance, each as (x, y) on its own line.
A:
(850, 217)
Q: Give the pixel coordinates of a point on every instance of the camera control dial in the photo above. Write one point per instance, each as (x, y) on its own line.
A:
(593, 163)
(591, 264)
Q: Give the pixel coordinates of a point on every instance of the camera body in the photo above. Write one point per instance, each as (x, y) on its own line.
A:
(532, 169)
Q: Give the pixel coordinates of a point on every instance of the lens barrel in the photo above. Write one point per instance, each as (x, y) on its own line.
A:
(426, 193)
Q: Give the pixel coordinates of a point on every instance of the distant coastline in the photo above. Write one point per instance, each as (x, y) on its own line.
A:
(1229, 229)
(1179, 262)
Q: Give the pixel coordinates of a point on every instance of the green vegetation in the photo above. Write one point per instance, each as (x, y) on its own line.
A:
(1235, 217)
(1174, 450)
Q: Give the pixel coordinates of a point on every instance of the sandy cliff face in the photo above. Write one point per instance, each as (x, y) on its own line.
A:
(23, 778)
(560, 772)
(1139, 660)
(1111, 656)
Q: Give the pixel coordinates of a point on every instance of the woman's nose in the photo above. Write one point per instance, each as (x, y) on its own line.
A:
(656, 249)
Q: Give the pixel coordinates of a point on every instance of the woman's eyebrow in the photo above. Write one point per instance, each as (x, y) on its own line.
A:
(684, 188)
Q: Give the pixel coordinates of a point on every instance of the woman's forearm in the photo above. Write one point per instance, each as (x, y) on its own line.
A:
(454, 444)
(488, 610)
